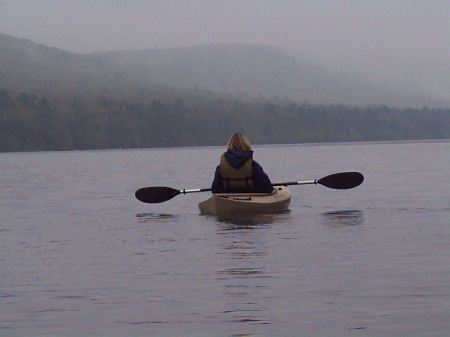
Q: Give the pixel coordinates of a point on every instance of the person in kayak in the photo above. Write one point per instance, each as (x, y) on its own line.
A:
(238, 172)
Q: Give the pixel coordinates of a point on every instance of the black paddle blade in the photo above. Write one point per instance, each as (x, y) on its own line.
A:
(153, 195)
(342, 181)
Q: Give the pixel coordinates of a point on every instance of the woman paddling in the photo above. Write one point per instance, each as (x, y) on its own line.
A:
(238, 172)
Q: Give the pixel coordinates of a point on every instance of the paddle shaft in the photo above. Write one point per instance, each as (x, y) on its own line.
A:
(196, 190)
(305, 182)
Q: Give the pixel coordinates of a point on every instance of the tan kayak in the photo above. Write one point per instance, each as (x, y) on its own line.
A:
(247, 203)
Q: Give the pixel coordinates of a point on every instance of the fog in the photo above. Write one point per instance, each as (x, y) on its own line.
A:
(339, 27)
(354, 36)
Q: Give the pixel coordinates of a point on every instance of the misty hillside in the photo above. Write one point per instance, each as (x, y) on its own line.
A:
(223, 68)
(257, 70)
(25, 65)
(415, 74)
(31, 67)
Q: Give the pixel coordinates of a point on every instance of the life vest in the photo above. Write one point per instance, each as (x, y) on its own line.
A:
(233, 178)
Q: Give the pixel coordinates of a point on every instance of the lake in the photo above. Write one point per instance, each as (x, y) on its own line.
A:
(80, 256)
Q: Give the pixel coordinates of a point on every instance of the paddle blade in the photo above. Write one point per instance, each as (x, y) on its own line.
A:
(153, 195)
(342, 181)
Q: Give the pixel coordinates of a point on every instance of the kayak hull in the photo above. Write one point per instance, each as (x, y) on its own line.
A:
(247, 203)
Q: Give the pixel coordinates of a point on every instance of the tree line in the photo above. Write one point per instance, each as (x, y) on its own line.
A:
(32, 122)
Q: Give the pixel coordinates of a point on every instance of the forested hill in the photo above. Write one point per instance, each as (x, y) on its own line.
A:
(254, 70)
(32, 123)
(236, 69)
(54, 100)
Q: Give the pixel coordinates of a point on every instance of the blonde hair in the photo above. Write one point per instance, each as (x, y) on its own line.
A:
(239, 142)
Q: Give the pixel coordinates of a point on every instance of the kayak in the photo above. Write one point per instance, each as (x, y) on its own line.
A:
(247, 203)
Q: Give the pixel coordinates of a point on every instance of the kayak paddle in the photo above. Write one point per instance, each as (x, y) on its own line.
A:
(339, 181)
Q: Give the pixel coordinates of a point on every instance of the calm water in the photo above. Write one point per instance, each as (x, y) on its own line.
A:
(80, 256)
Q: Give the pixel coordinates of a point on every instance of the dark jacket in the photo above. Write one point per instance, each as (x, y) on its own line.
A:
(237, 159)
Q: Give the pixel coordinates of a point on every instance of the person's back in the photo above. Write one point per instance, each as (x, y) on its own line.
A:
(238, 172)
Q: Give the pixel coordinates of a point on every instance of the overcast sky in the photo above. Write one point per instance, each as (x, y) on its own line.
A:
(333, 27)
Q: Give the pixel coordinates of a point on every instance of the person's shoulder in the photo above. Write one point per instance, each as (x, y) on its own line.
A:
(256, 165)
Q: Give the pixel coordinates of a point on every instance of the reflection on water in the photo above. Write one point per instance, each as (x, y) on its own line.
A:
(250, 220)
(343, 218)
(160, 217)
(243, 272)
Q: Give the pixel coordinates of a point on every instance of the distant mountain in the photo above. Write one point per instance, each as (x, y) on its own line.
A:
(257, 70)
(414, 74)
(28, 66)
(238, 69)
(25, 65)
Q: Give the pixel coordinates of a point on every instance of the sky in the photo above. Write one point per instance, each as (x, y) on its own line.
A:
(393, 28)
